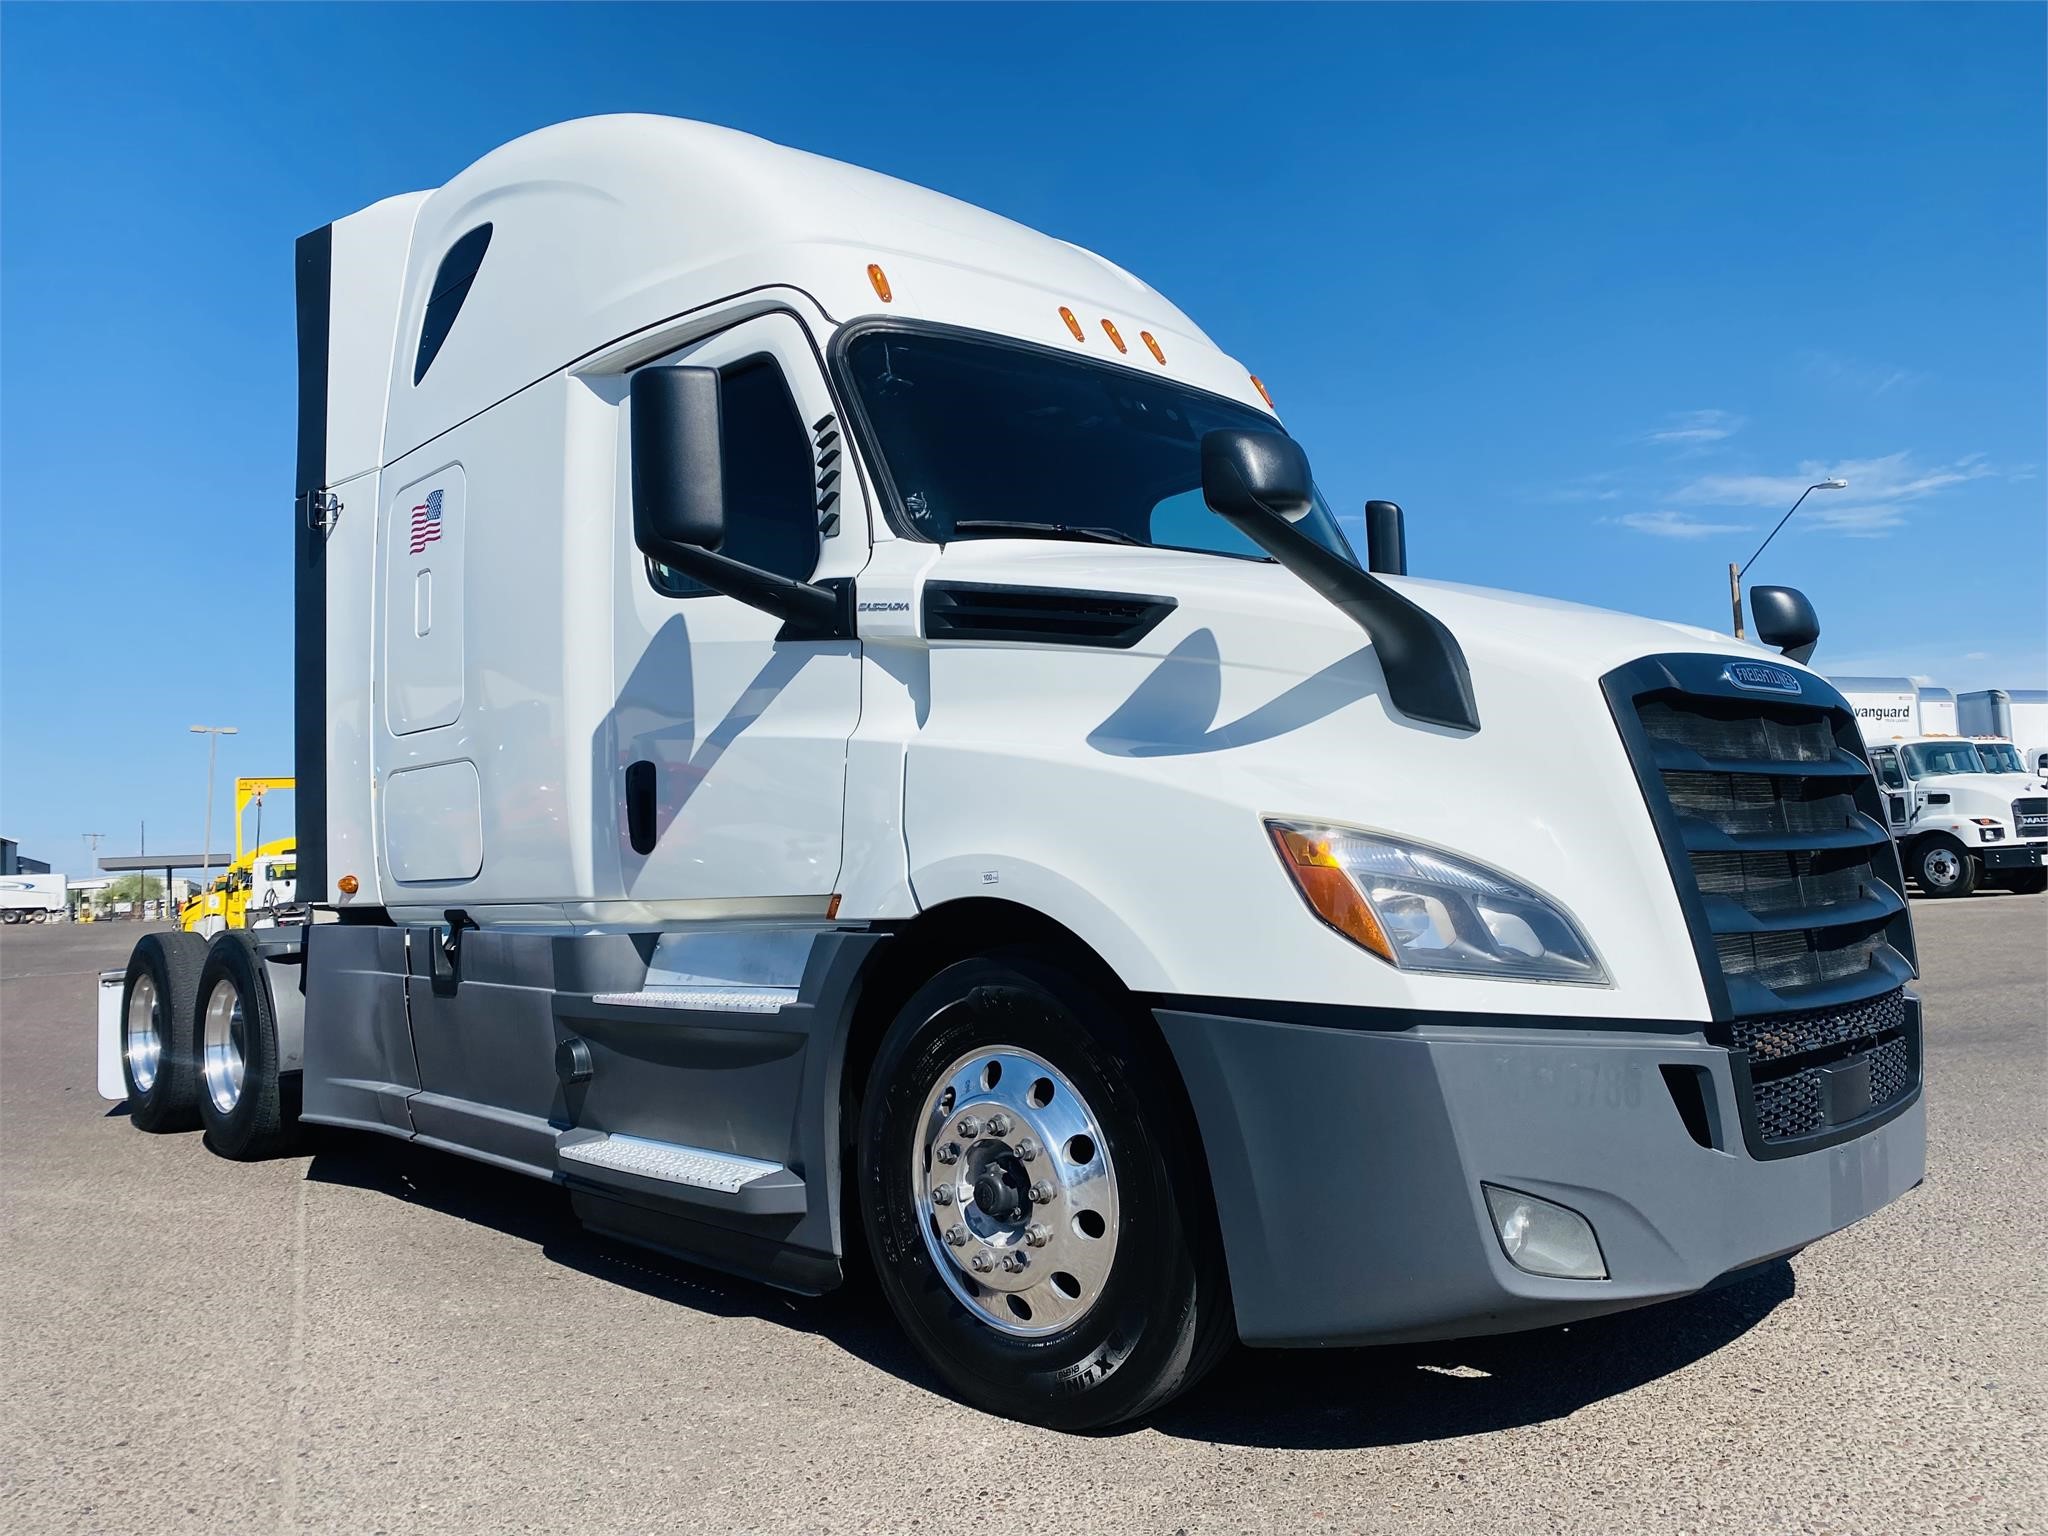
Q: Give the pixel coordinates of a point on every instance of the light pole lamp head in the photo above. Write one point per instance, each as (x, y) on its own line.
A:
(1831, 485)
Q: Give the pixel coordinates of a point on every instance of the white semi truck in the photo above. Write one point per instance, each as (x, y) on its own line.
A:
(1962, 808)
(2018, 715)
(831, 721)
(33, 898)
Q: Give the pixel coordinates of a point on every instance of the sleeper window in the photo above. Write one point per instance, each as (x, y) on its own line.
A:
(771, 511)
(452, 282)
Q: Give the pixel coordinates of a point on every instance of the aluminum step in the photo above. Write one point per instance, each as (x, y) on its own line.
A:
(704, 999)
(753, 1184)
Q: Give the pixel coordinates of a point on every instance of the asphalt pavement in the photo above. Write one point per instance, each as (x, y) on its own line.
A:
(374, 1338)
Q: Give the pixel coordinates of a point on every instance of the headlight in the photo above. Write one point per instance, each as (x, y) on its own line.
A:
(1426, 910)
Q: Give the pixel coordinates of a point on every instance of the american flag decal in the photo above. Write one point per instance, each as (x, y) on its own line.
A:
(426, 522)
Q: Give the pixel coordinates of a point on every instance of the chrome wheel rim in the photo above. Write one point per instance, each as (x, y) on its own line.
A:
(1942, 867)
(144, 1044)
(1016, 1194)
(222, 1036)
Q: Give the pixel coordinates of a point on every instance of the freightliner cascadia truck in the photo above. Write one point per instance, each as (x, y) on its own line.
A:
(839, 729)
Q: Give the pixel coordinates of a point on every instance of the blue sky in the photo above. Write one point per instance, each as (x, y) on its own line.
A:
(1591, 291)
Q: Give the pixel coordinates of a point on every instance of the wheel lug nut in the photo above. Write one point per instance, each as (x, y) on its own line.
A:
(969, 1127)
(999, 1125)
(942, 1194)
(1038, 1234)
(1027, 1149)
(982, 1263)
(956, 1235)
(1041, 1192)
(949, 1153)
(1014, 1262)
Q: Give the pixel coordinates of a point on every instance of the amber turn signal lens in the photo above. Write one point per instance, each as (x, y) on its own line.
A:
(1329, 891)
(1073, 325)
(1262, 392)
(1110, 331)
(1153, 347)
(348, 885)
(881, 281)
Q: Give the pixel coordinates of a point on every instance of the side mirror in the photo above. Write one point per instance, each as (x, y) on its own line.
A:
(1786, 619)
(678, 462)
(1255, 474)
(1259, 483)
(679, 504)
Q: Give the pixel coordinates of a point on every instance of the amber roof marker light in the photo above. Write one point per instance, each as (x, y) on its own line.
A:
(880, 280)
(1109, 330)
(1263, 395)
(1152, 346)
(1073, 325)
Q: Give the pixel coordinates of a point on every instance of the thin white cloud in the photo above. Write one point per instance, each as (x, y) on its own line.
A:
(1893, 478)
(1695, 429)
(1849, 373)
(1674, 525)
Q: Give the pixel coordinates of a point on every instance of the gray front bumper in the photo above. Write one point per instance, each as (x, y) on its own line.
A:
(1347, 1162)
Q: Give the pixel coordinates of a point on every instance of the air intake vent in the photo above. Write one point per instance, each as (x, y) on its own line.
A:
(960, 610)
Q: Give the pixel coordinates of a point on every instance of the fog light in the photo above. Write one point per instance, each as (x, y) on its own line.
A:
(1543, 1238)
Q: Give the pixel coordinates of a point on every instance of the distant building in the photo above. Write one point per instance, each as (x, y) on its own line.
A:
(12, 863)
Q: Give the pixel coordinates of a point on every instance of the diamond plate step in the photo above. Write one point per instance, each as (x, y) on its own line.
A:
(749, 1184)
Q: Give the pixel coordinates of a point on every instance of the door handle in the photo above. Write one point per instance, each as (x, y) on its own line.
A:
(640, 830)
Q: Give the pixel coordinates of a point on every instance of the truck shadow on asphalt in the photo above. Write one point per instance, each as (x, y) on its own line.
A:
(1282, 1399)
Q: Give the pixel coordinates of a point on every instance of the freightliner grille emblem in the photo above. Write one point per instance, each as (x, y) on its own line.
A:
(1761, 677)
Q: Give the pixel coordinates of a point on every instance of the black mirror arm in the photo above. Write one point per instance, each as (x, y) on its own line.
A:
(1427, 678)
(810, 610)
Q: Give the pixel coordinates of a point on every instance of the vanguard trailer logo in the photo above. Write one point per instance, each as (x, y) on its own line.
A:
(426, 522)
(1761, 677)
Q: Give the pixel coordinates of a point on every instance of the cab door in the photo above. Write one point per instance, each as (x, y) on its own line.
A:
(1891, 781)
(728, 740)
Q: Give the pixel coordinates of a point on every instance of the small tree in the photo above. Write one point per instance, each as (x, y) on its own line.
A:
(132, 888)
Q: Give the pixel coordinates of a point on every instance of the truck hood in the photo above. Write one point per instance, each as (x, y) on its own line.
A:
(1568, 638)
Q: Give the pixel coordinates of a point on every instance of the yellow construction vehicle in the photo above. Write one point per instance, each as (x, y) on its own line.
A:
(261, 877)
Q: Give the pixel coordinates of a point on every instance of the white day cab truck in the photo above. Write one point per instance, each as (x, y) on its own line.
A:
(1964, 810)
(33, 898)
(830, 722)
(2018, 715)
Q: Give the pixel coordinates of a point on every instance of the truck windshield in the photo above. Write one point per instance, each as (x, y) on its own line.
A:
(1925, 757)
(2000, 757)
(984, 439)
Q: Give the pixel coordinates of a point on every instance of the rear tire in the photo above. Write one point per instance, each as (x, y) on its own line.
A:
(2027, 882)
(1944, 867)
(242, 1098)
(158, 1065)
(1103, 1319)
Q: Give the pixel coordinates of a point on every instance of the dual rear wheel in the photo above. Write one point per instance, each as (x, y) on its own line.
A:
(199, 1044)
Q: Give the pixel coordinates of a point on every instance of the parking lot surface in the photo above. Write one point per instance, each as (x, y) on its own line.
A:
(371, 1337)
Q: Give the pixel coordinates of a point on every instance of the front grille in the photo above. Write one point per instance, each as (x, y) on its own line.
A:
(1781, 838)
(1791, 1059)
(2030, 818)
(1775, 833)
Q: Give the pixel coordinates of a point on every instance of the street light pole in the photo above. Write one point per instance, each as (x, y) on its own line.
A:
(1736, 573)
(213, 734)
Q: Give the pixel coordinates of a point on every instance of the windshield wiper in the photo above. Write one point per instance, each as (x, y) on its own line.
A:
(1047, 530)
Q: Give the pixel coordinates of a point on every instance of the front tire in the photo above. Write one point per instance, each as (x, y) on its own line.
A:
(1035, 1202)
(1943, 867)
(157, 1062)
(242, 1099)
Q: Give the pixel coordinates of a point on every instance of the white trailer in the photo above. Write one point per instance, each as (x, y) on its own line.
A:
(33, 898)
(831, 721)
(1937, 711)
(2018, 715)
(1886, 707)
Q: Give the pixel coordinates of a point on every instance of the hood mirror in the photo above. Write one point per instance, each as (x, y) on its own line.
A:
(1785, 618)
